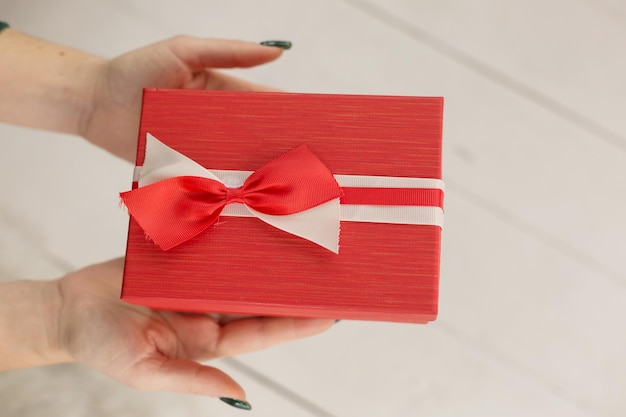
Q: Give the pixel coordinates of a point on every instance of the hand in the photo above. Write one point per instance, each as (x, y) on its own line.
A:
(156, 350)
(112, 120)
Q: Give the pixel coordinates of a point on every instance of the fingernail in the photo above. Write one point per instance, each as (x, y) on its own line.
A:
(337, 321)
(243, 405)
(277, 44)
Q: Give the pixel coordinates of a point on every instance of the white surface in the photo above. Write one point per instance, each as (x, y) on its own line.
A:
(533, 277)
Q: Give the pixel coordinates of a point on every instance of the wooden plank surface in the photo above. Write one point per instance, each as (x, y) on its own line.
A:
(533, 274)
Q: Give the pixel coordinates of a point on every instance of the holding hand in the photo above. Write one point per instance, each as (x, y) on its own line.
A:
(157, 350)
(181, 62)
(52, 87)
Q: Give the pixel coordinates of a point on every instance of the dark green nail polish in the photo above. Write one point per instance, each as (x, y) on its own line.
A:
(277, 44)
(243, 405)
(337, 321)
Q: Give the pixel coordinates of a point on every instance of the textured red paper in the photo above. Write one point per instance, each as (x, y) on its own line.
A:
(241, 265)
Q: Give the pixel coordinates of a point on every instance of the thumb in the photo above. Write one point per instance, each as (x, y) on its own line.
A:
(199, 53)
(158, 373)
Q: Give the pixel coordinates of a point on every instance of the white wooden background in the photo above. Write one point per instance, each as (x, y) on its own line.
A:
(533, 299)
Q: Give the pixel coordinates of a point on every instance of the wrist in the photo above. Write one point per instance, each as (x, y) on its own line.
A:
(92, 70)
(53, 349)
(47, 86)
(29, 325)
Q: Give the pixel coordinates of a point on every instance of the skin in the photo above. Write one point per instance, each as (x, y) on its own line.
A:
(79, 317)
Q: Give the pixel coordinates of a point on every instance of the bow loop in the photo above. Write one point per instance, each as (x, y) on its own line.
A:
(293, 182)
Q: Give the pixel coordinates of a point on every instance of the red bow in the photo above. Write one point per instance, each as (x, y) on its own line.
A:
(177, 209)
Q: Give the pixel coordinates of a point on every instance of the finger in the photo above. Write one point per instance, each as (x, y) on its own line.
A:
(199, 53)
(215, 80)
(254, 334)
(229, 318)
(158, 373)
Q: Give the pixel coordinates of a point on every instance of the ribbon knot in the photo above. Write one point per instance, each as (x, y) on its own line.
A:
(235, 195)
(174, 210)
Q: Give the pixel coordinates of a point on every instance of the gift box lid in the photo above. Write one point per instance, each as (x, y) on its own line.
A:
(385, 271)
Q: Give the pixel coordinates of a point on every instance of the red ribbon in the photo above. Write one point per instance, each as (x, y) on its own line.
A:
(177, 209)
(427, 197)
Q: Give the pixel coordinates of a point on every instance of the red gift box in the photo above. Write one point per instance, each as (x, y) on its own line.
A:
(387, 267)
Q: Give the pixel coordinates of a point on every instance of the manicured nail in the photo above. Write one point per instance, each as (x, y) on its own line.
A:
(337, 321)
(243, 405)
(277, 44)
